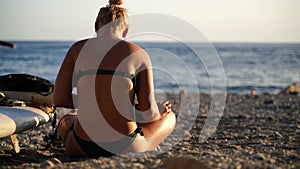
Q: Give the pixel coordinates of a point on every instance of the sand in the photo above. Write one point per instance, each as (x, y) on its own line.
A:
(254, 132)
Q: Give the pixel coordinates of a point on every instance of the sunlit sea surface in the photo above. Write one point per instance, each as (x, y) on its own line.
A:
(195, 67)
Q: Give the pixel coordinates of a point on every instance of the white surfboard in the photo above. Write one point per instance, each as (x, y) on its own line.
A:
(14, 120)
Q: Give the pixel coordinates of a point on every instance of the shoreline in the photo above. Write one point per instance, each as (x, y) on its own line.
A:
(253, 132)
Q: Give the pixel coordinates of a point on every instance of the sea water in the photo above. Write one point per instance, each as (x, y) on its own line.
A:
(267, 68)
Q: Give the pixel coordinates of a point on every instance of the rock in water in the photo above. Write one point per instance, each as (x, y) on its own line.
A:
(291, 89)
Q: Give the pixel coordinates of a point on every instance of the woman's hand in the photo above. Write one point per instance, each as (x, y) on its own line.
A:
(165, 107)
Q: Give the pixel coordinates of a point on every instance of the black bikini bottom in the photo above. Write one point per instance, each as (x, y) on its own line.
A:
(93, 150)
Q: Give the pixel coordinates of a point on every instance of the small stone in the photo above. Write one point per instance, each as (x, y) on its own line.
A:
(236, 147)
(50, 163)
(278, 134)
(157, 163)
(138, 165)
(272, 161)
(47, 164)
(258, 156)
(123, 165)
(170, 154)
(55, 161)
(186, 139)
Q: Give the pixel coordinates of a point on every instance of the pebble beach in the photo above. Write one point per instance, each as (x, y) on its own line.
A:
(261, 131)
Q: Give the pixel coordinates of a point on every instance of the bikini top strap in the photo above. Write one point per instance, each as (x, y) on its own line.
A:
(132, 77)
(139, 130)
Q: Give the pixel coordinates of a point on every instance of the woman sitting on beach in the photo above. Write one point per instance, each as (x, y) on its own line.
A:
(114, 74)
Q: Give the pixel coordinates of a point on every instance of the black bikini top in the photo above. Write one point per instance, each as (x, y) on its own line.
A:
(132, 77)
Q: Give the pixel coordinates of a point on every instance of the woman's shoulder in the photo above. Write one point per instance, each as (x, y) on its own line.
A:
(135, 49)
(79, 44)
(76, 48)
(138, 54)
(130, 45)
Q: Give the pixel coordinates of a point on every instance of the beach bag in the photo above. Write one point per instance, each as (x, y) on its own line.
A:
(25, 83)
(28, 88)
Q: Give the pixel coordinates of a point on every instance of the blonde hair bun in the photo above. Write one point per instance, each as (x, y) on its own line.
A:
(116, 2)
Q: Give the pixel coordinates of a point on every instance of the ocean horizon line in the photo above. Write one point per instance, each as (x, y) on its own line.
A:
(159, 41)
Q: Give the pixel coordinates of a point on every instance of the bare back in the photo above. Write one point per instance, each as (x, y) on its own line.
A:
(111, 112)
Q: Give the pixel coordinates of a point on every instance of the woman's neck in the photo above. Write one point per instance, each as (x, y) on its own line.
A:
(110, 34)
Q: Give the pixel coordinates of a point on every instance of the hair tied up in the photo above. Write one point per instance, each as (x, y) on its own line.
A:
(115, 2)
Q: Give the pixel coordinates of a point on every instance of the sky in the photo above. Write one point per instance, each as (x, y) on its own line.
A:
(217, 20)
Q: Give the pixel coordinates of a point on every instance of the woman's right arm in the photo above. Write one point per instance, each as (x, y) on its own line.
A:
(63, 84)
